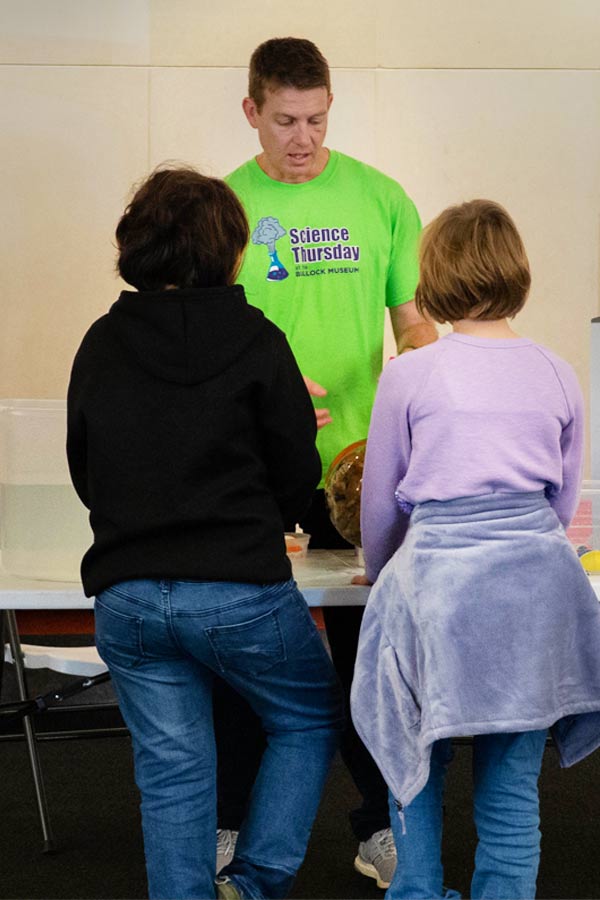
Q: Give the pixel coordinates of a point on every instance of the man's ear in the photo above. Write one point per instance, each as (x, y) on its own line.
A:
(250, 110)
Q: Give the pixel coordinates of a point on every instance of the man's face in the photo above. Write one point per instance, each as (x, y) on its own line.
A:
(291, 129)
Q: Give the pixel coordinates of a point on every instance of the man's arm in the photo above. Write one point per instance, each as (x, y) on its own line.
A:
(410, 329)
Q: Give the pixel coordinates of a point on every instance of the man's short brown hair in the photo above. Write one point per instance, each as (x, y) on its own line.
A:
(286, 62)
(181, 229)
(472, 265)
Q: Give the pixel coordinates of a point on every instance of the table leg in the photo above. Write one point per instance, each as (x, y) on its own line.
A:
(29, 730)
(2, 642)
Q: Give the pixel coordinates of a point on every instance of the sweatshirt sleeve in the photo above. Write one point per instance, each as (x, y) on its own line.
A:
(383, 523)
(290, 431)
(76, 433)
(564, 501)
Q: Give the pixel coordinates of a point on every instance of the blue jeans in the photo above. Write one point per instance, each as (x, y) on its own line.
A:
(506, 769)
(162, 641)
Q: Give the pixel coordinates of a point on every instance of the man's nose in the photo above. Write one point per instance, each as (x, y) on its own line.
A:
(301, 133)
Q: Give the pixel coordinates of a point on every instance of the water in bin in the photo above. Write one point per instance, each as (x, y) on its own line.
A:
(44, 529)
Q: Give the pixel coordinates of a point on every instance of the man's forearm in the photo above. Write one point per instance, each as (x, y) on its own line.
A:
(415, 336)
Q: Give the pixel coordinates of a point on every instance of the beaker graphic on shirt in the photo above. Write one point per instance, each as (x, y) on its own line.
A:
(267, 232)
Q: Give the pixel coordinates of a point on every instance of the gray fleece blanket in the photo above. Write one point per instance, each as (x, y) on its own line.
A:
(483, 621)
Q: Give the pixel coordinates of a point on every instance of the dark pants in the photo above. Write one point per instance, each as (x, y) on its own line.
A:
(240, 741)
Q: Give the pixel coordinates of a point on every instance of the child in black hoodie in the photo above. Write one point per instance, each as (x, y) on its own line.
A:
(191, 439)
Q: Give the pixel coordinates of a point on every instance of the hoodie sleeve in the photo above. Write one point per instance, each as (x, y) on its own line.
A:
(76, 431)
(290, 431)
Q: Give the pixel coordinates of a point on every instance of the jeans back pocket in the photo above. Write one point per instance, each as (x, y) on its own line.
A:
(249, 647)
(118, 636)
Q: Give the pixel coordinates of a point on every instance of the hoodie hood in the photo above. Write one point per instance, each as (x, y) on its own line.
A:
(186, 336)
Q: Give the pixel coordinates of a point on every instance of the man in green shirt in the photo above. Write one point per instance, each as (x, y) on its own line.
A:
(333, 243)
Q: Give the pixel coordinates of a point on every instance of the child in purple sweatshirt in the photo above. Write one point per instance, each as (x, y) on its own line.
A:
(481, 620)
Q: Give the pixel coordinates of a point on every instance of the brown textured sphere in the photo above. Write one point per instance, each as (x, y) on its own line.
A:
(342, 491)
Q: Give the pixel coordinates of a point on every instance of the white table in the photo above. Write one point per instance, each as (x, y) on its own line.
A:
(595, 582)
(324, 578)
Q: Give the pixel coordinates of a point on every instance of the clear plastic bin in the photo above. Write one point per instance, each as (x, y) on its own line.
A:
(44, 529)
(584, 530)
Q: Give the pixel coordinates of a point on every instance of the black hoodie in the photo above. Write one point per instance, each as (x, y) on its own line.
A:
(191, 439)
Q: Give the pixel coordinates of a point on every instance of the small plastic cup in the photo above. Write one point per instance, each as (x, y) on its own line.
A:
(296, 544)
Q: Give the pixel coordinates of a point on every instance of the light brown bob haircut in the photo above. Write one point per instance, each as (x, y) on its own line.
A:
(181, 229)
(472, 265)
(286, 62)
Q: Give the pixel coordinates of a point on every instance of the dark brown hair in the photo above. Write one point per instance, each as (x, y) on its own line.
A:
(286, 62)
(181, 229)
(472, 264)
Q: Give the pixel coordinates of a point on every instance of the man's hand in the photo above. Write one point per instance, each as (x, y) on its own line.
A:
(416, 336)
(316, 390)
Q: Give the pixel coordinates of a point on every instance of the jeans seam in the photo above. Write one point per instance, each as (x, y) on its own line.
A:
(165, 587)
(255, 861)
(131, 598)
(240, 601)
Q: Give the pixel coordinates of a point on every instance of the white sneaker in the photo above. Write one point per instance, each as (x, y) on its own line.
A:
(376, 857)
(226, 841)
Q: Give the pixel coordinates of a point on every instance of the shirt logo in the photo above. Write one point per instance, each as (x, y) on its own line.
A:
(267, 232)
(335, 245)
(315, 251)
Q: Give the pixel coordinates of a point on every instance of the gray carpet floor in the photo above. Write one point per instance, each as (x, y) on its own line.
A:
(94, 805)
(94, 808)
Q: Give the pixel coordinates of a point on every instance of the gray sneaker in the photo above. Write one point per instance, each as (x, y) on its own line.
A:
(376, 857)
(226, 841)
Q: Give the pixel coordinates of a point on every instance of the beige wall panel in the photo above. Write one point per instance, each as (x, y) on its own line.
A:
(352, 118)
(73, 141)
(196, 117)
(530, 140)
(74, 32)
(193, 33)
(488, 34)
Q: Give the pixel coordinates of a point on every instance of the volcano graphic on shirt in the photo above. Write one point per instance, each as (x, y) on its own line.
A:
(267, 232)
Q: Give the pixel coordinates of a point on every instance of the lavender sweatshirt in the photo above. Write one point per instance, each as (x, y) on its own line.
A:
(464, 417)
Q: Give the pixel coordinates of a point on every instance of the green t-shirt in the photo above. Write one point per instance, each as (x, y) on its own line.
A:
(325, 258)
